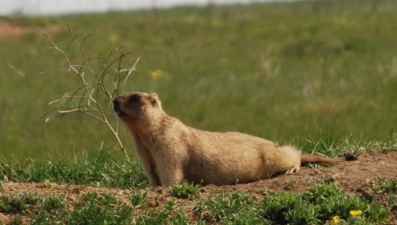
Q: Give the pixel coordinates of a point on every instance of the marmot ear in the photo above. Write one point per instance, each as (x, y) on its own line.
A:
(154, 99)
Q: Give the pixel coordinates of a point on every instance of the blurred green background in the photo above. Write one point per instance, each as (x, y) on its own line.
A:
(288, 72)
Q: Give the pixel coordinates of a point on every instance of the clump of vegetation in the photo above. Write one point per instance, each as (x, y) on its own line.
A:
(170, 215)
(236, 208)
(289, 207)
(95, 209)
(184, 190)
(17, 220)
(332, 201)
(5, 206)
(138, 199)
(102, 170)
(92, 209)
(52, 204)
(20, 203)
(318, 205)
(389, 186)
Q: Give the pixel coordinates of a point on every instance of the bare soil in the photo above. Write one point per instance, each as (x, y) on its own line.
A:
(352, 176)
(18, 30)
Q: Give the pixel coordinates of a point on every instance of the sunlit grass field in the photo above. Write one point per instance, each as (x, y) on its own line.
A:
(300, 73)
(320, 75)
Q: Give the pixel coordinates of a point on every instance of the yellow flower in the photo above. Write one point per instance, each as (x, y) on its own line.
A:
(157, 74)
(113, 38)
(356, 212)
(335, 220)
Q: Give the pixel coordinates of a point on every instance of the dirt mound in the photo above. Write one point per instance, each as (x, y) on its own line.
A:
(16, 30)
(352, 176)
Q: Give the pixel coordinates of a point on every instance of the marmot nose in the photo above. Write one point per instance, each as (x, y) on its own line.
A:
(116, 104)
(116, 100)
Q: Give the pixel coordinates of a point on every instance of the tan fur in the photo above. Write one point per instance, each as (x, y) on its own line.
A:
(172, 152)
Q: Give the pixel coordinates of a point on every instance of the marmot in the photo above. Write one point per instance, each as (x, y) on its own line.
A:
(172, 152)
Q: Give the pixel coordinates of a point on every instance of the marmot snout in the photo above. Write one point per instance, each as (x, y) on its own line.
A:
(116, 107)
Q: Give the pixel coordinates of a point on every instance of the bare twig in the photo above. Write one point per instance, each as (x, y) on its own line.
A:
(88, 95)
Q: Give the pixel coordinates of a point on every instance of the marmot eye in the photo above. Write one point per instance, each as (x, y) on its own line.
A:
(135, 98)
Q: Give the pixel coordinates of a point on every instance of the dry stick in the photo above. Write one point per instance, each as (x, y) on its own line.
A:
(101, 87)
(97, 107)
(130, 70)
(117, 87)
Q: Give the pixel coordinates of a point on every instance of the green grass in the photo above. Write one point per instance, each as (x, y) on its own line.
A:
(289, 72)
(92, 208)
(321, 76)
(235, 209)
(100, 171)
(184, 190)
(316, 206)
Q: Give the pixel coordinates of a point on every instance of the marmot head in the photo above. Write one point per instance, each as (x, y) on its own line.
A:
(135, 106)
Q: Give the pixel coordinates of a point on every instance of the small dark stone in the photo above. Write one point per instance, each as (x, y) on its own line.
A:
(350, 157)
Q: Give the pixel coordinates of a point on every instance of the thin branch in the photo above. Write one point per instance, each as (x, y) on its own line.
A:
(88, 95)
(82, 53)
(77, 110)
(133, 68)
